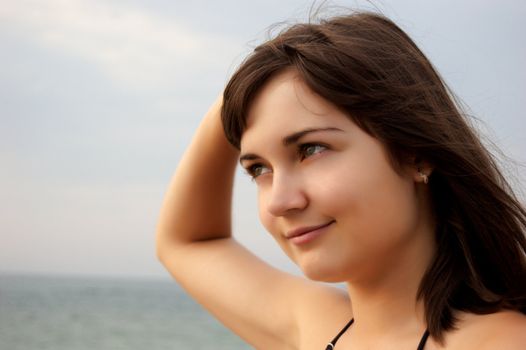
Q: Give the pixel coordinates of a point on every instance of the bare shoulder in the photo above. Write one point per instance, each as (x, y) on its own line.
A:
(500, 330)
(506, 330)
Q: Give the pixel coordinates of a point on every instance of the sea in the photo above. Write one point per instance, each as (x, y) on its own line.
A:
(81, 313)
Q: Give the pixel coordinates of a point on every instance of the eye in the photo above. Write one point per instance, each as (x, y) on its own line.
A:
(307, 150)
(257, 169)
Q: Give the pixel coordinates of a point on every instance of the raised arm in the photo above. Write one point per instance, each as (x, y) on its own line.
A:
(198, 202)
(194, 243)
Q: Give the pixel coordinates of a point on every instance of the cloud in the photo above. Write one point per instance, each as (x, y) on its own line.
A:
(130, 45)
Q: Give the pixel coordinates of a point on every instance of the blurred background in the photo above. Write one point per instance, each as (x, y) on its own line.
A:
(98, 100)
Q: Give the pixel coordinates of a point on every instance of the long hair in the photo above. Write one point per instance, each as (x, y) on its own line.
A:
(368, 67)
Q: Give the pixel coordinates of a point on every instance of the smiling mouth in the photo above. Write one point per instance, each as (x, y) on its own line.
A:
(305, 230)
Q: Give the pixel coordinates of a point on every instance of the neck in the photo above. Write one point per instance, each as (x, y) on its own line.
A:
(383, 311)
(387, 307)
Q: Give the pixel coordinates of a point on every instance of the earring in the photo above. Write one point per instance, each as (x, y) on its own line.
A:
(424, 177)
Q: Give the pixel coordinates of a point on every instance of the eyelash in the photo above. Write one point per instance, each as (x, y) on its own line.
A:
(301, 151)
(302, 148)
(251, 170)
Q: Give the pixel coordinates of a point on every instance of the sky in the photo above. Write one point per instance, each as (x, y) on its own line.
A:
(99, 98)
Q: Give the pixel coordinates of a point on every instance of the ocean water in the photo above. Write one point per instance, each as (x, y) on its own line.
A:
(62, 313)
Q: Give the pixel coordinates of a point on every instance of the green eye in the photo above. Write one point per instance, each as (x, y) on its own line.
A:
(310, 149)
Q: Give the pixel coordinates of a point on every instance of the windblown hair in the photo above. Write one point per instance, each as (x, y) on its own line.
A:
(368, 67)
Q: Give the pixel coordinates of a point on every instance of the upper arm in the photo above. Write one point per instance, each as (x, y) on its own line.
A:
(255, 300)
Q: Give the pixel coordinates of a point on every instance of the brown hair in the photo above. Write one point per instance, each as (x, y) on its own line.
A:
(368, 67)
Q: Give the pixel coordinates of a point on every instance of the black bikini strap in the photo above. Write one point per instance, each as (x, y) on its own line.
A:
(330, 346)
(423, 340)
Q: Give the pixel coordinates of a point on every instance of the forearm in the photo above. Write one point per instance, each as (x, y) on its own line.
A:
(197, 205)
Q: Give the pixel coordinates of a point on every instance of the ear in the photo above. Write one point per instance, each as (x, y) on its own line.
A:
(421, 170)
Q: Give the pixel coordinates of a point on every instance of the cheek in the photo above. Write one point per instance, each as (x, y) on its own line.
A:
(367, 196)
(394, 209)
(382, 211)
(267, 219)
(264, 216)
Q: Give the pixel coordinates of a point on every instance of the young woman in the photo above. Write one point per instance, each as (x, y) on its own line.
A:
(368, 174)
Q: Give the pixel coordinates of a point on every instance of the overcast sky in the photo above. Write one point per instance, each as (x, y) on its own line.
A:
(98, 99)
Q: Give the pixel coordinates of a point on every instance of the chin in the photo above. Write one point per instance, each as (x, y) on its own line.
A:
(322, 273)
(318, 267)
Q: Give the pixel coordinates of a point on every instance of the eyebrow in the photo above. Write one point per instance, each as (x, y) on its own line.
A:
(293, 138)
(289, 140)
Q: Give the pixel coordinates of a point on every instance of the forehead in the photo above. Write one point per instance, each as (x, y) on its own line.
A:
(286, 105)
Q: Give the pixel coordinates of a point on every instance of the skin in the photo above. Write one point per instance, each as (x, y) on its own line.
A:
(376, 233)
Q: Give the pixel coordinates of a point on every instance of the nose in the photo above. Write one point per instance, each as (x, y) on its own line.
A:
(286, 195)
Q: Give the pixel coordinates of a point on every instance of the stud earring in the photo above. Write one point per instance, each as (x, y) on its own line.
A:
(424, 177)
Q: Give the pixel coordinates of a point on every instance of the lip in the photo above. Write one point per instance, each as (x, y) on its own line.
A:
(306, 234)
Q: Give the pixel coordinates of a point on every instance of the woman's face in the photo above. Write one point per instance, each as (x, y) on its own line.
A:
(327, 191)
